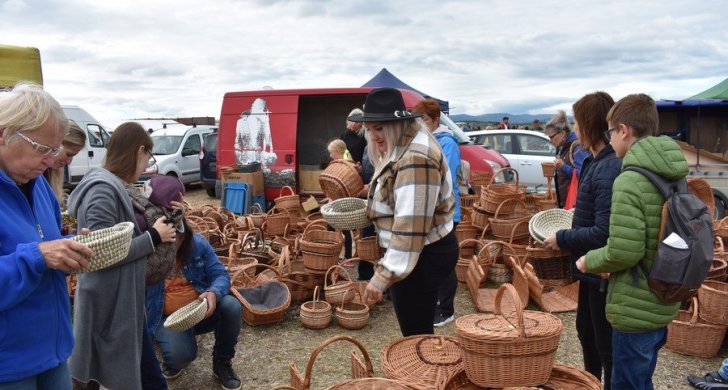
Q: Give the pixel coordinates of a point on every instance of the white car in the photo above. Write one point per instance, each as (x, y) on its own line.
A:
(176, 152)
(524, 149)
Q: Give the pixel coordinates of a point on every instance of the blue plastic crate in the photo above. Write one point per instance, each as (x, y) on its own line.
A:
(237, 197)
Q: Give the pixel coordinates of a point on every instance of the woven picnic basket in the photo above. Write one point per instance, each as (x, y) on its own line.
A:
(502, 224)
(516, 348)
(346, 213)
(689, 335)
(713, 298)
(110, 246)
(424, 360)
(263, 312)
(341, 179)
(336, 283)
(315, 314)
(187, 316)
(495, 193)
(563, 377)
(352, 314)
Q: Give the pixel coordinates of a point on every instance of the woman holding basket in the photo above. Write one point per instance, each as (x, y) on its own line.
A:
(411, 203)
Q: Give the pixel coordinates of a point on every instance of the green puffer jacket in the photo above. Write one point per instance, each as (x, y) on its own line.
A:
(633, 236)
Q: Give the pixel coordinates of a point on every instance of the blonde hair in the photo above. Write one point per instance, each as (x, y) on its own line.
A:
(27, 108)
(393, 131)
(75, 137)
(356, 111)
(557, 124)
(337, 145)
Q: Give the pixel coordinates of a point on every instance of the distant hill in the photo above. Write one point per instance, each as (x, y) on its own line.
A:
(496, 117)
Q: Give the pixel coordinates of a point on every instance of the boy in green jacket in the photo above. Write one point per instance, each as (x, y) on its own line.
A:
(639, 319)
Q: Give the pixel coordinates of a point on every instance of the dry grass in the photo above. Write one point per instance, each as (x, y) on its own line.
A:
(264, 353)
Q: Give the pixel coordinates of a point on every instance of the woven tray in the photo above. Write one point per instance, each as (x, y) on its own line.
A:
(110, 246)
(346, 213)
(545, 223)
(423, 360)
(187, 316)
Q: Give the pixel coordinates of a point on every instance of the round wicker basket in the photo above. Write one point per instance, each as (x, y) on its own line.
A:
(545, 223)
(423, 360)
(187, 316)
(341, 179)
(316, 314)
(110, 246)
(346, 213)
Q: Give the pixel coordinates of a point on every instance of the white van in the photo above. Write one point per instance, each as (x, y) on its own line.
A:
(177, 149)
(92, 155)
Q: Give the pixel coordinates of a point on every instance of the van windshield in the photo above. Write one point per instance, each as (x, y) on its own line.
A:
(166, 144)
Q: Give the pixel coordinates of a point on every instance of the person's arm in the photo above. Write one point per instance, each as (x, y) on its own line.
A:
(214, 270)
(416, 188)
(626, 244)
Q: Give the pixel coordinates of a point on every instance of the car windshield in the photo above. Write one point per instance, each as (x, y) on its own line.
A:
(166, 144)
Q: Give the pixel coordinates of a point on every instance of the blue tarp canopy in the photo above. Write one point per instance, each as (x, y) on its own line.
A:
(386, 79)
(691, 103)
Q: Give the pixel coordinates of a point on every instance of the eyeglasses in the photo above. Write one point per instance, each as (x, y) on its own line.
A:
(43, 150)
(609, 132)
(551, 137)
(152, 160)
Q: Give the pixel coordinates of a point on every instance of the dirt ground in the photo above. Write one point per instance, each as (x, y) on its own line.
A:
(264, 353)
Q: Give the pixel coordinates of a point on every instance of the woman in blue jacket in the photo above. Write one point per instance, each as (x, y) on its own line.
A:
(198, 266)
(590, 230)
(35, 324)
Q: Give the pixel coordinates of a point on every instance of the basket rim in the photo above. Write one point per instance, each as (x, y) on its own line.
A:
(190, 311)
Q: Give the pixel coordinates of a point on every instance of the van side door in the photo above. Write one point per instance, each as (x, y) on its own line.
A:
(189, 162)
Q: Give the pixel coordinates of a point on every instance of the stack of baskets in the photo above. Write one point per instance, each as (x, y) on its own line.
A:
(494, 194)
(320, 248)
(341, 179)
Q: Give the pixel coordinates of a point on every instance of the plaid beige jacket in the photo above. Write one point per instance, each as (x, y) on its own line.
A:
(411, 203)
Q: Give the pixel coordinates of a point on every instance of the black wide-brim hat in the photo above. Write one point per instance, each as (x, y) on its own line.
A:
(384, 105)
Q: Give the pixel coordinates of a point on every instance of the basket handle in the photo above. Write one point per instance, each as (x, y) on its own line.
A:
(335, 277)
(503, 170)
(312, 227)
(343, 298)
(255, 208)
(280, 194)
(516, 302)
(694, 305)
(315, 353)
(718, 244)
(316, 293)
(507, 201)
(513, 230)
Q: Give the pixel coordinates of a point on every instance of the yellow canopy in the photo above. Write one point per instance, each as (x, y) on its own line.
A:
(18, 64)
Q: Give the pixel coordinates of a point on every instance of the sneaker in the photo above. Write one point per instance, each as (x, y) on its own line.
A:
(223, 370)
(170, 373)
(709, 381)
(441, 320)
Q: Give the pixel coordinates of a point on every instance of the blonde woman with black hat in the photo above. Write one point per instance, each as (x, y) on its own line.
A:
(411, 203)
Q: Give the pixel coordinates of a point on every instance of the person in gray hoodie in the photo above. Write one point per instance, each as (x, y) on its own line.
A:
(109, 325)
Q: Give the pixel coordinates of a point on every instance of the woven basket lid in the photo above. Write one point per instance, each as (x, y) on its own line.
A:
(110, 246)
(187, 316)
(423, 359)
(545, 223)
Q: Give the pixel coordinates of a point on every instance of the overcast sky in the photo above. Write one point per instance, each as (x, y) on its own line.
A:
(124, 59)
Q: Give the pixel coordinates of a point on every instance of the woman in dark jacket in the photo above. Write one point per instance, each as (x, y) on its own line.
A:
(590, 230)
(567, 160)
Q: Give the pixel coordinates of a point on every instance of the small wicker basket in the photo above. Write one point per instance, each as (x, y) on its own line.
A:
(335, 291)
(346, 213)
(187, 316)
(316, 314)
(548, 168)
(350, 314)
(110, 246)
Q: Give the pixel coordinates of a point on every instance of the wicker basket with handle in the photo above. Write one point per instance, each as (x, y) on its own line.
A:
(341, 179)
(315, 314)
(713, 298)
(259, 313)
(689, 335)
(507, 350)
(424, 360)
(352, 314)
(336, 283)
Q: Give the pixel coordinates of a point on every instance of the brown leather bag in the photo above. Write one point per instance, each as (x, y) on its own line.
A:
(177, 293)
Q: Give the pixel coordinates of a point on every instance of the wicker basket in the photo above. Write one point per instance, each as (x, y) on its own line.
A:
(252, 245)
(479, 217)
(701, 188)
(688, 335)
(423, 360)
(545, 223)
(562, 377)
(495, 193)
(502, 225)
(548, 168)
(316, 314)
(110, 246)
(466, 230)
(187, 316)
(276, 222)
(517, 349)
(549, 264)
(713, 298)
(346, 213)
(335, 291)
(255, 314)
(368, 248)
(234, 263)
(717, 269)
(257, 215)
(341, 179)
(287, 202)
(350, 314)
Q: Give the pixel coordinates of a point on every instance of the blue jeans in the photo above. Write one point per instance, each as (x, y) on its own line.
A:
(179, 349)
(635, 357)
(58, 378)
(723, 372)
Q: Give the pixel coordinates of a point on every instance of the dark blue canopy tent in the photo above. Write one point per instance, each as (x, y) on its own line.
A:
(386, 79)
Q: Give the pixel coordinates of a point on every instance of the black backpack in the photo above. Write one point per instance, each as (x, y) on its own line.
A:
(676, 273)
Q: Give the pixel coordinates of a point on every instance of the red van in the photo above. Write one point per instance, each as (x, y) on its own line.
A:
(287, 132)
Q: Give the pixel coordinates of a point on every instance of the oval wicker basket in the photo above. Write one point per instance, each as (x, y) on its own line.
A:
(423, 360)
(317, 240)
(713, 298)
(341, 179)
(346, 213)
(335, 292)
(503, 351)
(689, 335)
(187, 316)
(110, 246)
(315, 314)
(291, 201)
(350, 314)
(562, 377)
(502, 224)
(545, 223)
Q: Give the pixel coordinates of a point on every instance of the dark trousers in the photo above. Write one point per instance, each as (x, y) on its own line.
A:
(366, 269)
(347, 244)
(152, 378)
(415, 297)
(595, 332)
(447, 291)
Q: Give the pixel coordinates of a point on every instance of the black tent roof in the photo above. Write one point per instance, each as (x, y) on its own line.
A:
(386, 79)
